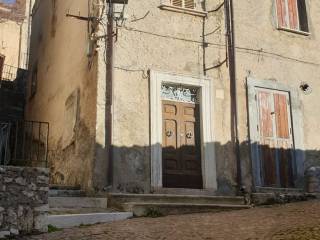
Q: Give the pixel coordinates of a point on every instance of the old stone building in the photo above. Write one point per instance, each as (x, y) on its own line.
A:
(14, 32)
(168, 96)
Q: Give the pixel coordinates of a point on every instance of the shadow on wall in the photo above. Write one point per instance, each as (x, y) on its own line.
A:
(261, 165)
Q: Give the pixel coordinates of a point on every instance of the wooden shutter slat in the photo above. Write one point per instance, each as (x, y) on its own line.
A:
(282, 13)
(189, 4)
(281, 112)
(265, 107)
(184, 3)
(293, 14)
(177, 3)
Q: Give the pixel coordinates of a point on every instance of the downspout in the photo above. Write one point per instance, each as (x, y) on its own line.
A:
(233, 89)
(109, 89)
(29, 32)
(20, 46)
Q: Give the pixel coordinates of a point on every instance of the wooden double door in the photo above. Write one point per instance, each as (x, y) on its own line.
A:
(275, 147)
(181, 145)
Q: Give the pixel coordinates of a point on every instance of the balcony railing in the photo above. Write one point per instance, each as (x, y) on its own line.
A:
(13, 77)
(24, 143)
(9, 73)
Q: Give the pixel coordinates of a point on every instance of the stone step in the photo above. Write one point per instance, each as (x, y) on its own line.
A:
(280, 198)
(75, 220)
(78, 202)
(66, 193)
(64, 187)
(116, 200)
(278, 190)
(158, 209)
(67, 211)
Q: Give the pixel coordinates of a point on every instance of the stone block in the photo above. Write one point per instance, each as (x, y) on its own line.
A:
(40, 222)
(14, 231)
(4, 234)
(8, 180)
(42, 179)
(23, 200)
(21, 181)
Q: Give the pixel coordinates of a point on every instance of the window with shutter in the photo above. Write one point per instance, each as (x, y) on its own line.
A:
(292, 15)
(193, 7)
(184, 3)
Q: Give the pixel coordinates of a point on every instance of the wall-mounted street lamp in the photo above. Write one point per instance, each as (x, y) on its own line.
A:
(119, 9)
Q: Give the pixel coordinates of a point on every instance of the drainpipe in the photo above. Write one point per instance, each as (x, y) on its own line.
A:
(29, 32)
(233, 89)
(109, 88)
(20, 45)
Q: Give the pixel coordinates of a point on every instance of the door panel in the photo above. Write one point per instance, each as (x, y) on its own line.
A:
(181, 150)
(269, 165)
(276, 143)
(281, 113)
(265, 107)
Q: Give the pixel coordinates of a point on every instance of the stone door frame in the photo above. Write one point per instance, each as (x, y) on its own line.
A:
(296, 122)
(208, 161)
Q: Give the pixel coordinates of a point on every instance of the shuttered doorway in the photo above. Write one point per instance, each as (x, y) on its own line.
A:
(275, 147)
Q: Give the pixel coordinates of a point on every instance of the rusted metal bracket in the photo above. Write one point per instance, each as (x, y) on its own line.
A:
(81, 17)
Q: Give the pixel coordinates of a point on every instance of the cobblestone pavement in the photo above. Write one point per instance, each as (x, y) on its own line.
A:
(297, 221)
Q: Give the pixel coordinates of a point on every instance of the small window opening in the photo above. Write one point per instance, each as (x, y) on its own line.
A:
(292, 15)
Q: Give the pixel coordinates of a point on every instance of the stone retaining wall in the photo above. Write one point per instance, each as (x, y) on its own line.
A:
(23, 200)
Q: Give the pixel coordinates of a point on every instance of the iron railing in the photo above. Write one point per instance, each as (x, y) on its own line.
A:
(13, 78)
(24, 143)
(4, 141)
(9, 73)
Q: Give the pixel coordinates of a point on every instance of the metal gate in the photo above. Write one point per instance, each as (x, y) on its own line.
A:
(24, 143)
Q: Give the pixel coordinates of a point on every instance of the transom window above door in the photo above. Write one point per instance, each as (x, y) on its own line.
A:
(179, 93)
(292, 15)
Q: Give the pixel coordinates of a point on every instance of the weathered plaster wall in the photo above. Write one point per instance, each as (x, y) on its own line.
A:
(263, 52)
(170, 42)
(23, 200)
(14, 23)
(66, 89)
(166, 41)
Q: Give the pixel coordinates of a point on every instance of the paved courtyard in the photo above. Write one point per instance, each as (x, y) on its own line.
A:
(297, 221)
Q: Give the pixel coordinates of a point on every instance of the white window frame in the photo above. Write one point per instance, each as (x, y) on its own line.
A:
(288, 29)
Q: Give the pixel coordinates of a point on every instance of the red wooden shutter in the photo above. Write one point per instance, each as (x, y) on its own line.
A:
(265, 114)
(282, 13)
(293, 14)
(281, 113)
(287, 11)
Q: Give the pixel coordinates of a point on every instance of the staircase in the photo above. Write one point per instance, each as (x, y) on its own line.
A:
(168, 204)
(70, 207)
